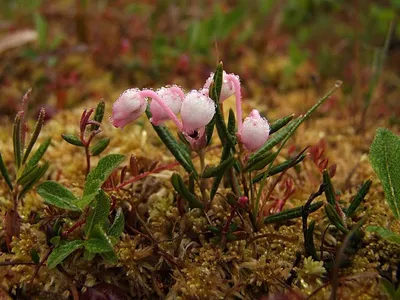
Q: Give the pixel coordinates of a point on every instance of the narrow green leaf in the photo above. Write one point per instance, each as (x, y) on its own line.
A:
(4, 172)
(39, 173)
(309, 242)
(231, 122)
(171, 143)
(62, 252)
(98, 176)
(260, 163)
(281, 167)
(334, 218)
(99, 242)
(362, 192)
(385, 234)
(72, 139)
(231, 237)
(98, 115)
(28, 174)
(110, 257)
(384, 156)
(182, 190)
(105, 167)
(90, 191)
(217, 83)
(55, 194)
(98, 214)
(280, 123)
(100, 146)
(118, 225)
(218, 170)
(291, 213)
(329, 190)
(55, 240)
(35, 134)
(41, 28)
(273, 141)
(17, 139)
(292, 128)
(226, 153)
(215, 92)
(87, 255)
(35, 256)
(39, 153)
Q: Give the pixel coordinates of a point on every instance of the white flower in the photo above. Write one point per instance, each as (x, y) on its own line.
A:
(255, 131)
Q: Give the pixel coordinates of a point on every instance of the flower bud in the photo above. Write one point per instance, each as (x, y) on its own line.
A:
(255, 131)
(196, 112)
(128, 107)
(227, 88)
(172, 97)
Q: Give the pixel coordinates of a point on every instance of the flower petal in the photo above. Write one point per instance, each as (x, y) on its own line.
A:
(197, 111)
(255, 131)
(128, 107)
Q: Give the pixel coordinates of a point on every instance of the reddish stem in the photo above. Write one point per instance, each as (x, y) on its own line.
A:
(143, 175)
(75, 226)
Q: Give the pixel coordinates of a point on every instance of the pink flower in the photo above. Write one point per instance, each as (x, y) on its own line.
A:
(230, 86)
(227, 88)
(173, 97)
(128, 107)
(196, 112)
(255, 131)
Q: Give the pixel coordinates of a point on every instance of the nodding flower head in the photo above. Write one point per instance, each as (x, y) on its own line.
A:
(255, 131)
(173, 97)
(227, 88)
(196, 112)
(128, 107)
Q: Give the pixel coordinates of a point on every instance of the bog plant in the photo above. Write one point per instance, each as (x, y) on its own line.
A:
(28, 168)
(248, 154)
(94, 204)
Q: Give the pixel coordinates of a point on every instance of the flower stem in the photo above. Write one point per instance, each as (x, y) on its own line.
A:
(161, 102)
(238, 95)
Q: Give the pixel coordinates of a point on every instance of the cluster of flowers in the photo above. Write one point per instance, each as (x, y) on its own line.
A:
(196, 108)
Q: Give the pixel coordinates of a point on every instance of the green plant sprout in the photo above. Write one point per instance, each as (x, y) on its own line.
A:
(28, 169)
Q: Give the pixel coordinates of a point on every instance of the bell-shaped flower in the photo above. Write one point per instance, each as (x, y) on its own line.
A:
(128, 107)
(254, 132)
(230, 86)
(196, 112)
(227, 88)
(173, 97)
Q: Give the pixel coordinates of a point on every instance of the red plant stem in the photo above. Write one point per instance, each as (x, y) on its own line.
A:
(39, 265)
(143, 175)
(229, 220)
(87, 153)
(75, 226)
(14, 263)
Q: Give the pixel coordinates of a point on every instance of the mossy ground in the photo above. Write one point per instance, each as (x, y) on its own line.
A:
(207, 271)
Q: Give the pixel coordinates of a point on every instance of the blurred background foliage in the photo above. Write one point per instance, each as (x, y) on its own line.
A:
(87, 49)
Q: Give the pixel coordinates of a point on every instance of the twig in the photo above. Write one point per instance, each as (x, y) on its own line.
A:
(14, 263)
(38, 266)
